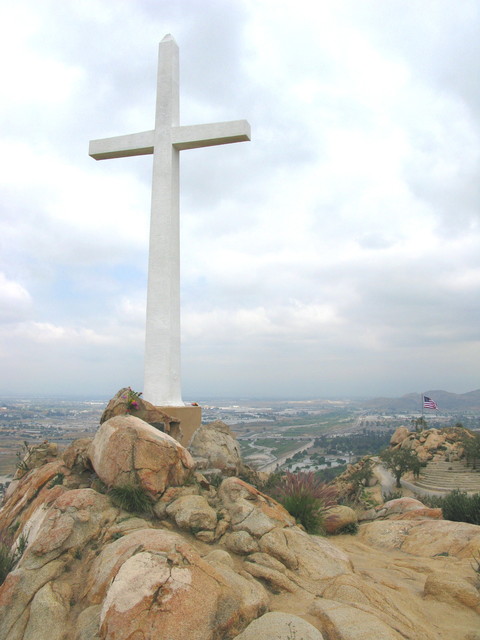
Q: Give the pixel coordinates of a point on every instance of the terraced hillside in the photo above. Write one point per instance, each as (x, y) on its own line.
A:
(441, 475)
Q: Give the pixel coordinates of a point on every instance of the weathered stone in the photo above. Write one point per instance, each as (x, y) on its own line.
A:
(167, 588)
(32, 491)
(49, 613)
(87, 626)
(240, 542)
(281, 626)
(76, 456)
(402, 505)
(399, 436)
(423, 537)
(170, 495)
(219, 556)
(310, 558)
(276, 580)
(434, 440)
(192, 512)
(17, 592)
(379, 600)
(214, 446)
(343, 622)
(448, 588)
(410, 442)
(251, 597)
(418, 514)
(126, 450)
(250, 510)
(75, 518)
(205, 536)
(338, 517)
(127, 402)
(36, 456)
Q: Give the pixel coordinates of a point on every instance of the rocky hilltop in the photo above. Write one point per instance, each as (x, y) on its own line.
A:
(122, 537)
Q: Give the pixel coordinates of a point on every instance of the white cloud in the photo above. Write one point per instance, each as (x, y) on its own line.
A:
(337, 251)
(15, 301)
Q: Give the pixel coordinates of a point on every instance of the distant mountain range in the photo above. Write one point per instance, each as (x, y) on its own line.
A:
(445, 400)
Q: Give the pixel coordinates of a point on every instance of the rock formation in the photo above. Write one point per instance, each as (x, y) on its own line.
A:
(208, 562)
(128, 402)
(432, 444)
(214, 447)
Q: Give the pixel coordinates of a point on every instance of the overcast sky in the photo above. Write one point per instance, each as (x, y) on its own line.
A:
(337, 253)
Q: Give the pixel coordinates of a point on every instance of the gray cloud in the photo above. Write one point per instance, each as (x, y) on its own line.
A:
(335, 253)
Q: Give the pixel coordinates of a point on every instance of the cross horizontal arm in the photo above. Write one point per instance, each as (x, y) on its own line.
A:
(134, 144)
(209, 135)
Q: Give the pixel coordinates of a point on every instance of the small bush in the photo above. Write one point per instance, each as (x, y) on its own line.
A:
(434, 502)
(392, 495)
(350, 529)
(456, 505)
(22, 542)
(305, 498)
(460, 507)
(131, 498)
(117, 535)
(23, 456)
(57, 479)
(9, 557)
(7, 561)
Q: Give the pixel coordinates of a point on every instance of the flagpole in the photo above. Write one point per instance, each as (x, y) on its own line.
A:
(421, 400)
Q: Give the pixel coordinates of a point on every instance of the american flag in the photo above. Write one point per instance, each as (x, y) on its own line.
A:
(428, 403)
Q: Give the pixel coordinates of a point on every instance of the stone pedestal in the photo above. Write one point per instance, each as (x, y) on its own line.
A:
(190, 419)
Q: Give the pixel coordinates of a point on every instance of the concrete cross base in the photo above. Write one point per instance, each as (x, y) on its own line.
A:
(190, 419)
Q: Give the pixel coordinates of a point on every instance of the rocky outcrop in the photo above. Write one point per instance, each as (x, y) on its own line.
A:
(401, 509)
(399, 436)
(281, 626)
(35, 456)
(339, 517)
(251, 510)
(154, 575)
(431, 444)
(214, 562)
(214, 447)
(126, 450)
(447, 588)
(128, 402)
(424, 538)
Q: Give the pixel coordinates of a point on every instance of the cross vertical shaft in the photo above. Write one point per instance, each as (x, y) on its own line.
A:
(162, 385)
(162, 333)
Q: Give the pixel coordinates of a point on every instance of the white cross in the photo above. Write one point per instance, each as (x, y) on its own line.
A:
(162, 384)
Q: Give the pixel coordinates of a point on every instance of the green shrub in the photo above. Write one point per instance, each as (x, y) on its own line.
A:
(7, 561)
(392, 495)
(456, 505)
(351, 529)
(22, 457)
(9, 557)
(117, 535)
(305, 498)
(434, 502)
(57, 479)
(460, 507)
(131, 498)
